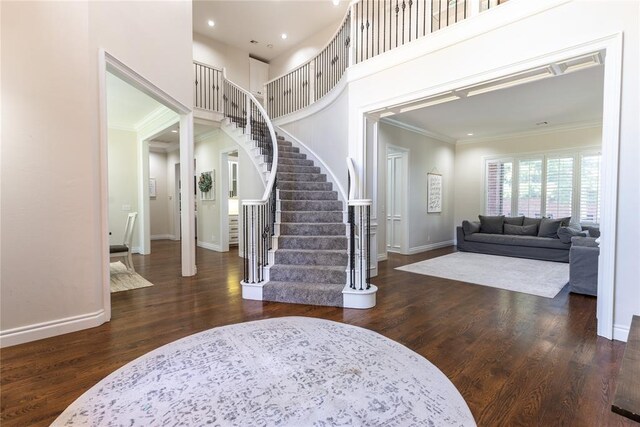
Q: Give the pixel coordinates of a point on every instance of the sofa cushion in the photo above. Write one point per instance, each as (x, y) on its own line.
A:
(529, 221)
(566, 233)
(470, 227)
(521, 230)
(491, 224)
(593, 230)
(549, 227)
(505, 239)
(589, 242)
(513, 220)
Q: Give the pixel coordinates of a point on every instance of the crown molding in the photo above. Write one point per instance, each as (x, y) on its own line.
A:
(547, 130)
(429, 134)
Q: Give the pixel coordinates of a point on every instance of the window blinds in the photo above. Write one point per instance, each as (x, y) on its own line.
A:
(530, 187)
(499, 178)
(590, 188)
(559, 187)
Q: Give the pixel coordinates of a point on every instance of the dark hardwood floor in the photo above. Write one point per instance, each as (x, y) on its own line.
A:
(517, 359)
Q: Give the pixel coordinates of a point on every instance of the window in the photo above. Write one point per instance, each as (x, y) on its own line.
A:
(546, 185)
(559, 187)
(499, 177)
(530, 188)
(590, 188)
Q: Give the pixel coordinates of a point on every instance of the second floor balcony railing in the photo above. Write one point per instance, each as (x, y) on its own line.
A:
(369, 28)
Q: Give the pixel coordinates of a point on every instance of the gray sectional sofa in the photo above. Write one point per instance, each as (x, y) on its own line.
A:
(522, 237)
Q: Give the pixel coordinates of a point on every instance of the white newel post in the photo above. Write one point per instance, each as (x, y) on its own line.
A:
(474, 8)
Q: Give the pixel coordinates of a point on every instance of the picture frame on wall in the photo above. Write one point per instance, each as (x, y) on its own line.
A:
(207, 181)
(434, 193)
(152, 188)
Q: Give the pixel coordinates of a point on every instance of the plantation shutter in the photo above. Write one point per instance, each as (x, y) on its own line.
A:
(559, 189)
(498, 187)
(590, 188)
(530, 187)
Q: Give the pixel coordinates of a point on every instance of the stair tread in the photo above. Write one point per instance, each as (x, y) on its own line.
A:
(313, 251)
(331, 286)
(340, 268)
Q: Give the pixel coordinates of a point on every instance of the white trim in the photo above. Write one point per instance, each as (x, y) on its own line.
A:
(51, 328)
(567, 127)
(119, 69)
(383, 257)
(430, 247)
(353, 298)
(104, 184)
(121, 126)
(319, 162)
(162, 237)
(609, 183)
(621, 332)
(157, 123)
(418, 130)
(210, 246)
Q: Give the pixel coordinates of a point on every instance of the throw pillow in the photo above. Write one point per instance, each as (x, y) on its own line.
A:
(549, 227)
(565, 222)
(566, 233)
(514, 220)
(491, 224)
(532, 221)
(521, 230)
(470, 227)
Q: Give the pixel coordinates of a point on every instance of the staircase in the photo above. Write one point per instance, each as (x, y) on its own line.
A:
(310, 259)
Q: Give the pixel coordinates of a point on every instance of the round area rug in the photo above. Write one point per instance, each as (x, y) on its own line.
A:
(290, 371)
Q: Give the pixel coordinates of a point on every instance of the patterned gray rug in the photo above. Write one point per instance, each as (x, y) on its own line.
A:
(530, 276)
(290, 371)
(123, 280)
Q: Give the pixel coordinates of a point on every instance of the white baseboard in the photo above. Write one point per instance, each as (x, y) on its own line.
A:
(211, 246)
(621, 333)
(51, 328)
(163, 237)
(382, 257)
(430, 247)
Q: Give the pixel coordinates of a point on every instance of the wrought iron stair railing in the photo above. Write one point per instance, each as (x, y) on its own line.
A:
(369, 28)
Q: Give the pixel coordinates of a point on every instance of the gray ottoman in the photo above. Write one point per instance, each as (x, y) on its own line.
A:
(583, 266)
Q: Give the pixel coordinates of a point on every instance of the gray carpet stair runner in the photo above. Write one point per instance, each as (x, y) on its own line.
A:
(311, 259)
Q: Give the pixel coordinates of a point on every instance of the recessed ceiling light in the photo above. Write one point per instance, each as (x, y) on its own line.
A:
(336, 2)
(211, 23)
(469, 134)
(174, 131)
(284, 36)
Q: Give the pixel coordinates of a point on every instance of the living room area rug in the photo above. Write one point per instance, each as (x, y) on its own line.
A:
(124, 280)
(530, 276)
(287, 371)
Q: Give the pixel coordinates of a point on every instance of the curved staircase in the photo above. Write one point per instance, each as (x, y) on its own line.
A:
(309, 264)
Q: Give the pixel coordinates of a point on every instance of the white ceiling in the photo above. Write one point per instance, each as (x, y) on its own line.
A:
(126, 105)
(239, 22)
(573, 98)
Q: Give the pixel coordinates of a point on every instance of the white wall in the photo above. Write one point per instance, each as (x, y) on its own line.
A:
(221, 55)
(426, 155)
(159, 215)
(51, 142)
(325, 133)
(470, 162)
(207, 153)
(173, 202)
(123, 184)
(302, 52)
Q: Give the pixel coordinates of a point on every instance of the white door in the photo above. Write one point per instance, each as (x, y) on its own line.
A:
(396, 201)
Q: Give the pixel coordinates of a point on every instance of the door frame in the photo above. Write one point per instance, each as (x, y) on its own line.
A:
(403, 153)
(109, 63)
